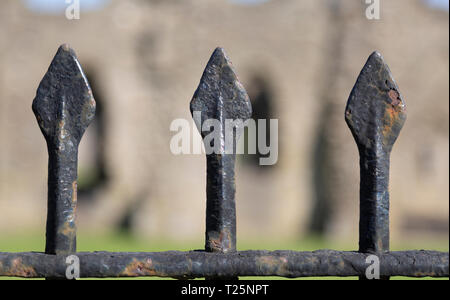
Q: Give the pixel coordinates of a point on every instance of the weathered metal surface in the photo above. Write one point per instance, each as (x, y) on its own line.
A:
(64, 107)
(220, 96)
(198, 264)
(375, 114)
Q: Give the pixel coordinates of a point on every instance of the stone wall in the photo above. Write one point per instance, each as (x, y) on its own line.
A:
(145, 59)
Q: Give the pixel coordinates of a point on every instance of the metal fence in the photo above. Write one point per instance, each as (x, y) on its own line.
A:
(64, 106)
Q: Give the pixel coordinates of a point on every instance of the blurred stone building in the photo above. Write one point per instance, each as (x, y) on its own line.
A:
(298, 61)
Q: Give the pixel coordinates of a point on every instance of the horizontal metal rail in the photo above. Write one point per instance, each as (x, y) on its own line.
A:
(197, 264)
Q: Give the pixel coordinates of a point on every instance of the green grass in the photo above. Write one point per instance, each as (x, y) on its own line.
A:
(123, 243)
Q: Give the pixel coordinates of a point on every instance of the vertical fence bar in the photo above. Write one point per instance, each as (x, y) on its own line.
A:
(375, 114)
(220, 97)
(64, 107)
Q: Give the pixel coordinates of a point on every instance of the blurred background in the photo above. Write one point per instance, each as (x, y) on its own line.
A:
(298, 61)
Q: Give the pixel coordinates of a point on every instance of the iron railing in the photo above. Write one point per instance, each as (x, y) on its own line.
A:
(64, 106)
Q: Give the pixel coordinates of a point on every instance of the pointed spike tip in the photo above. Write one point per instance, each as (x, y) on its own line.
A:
(375, 109)
(220, 95)
(376, 54)
(64, 97)
(375, 63)
(65, 47)
(220, 52)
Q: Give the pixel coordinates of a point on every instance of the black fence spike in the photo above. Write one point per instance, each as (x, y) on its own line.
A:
(375, 114)
(64, 106)
(220, 96)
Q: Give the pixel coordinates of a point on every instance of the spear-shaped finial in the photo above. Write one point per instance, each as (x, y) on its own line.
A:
(64, 107)
(220, 96)
(375, 114)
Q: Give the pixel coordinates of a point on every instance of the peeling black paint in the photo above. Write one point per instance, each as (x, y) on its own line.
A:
(220, 96)
(199, 264)
(375, 120)
(64, 107)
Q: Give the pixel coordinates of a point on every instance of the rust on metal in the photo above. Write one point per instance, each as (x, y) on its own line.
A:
(16, 268)
(375, 114)
(273, 264)
(220, 96)
(139, 268)
(202, 264)
(64, 107)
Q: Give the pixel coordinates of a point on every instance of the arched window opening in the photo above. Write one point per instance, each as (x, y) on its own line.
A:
(261, 97)
(92, 172)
